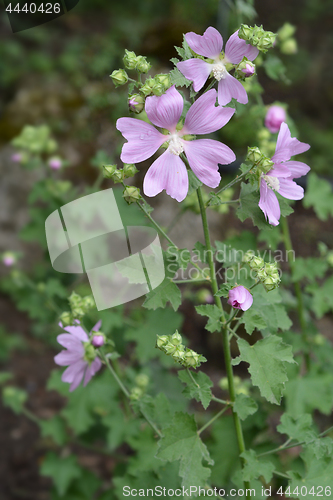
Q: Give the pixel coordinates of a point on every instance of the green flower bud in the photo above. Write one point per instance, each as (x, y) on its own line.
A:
(158, 89)
(253, 155)
(66, 318)
(142, 65)
(142, 380)
(170, 348)
(286, 31)
(223, 383)
(117, 176)
(191, 359)
(176, 338)
(136, 393)
(267, 41)
(264, 134)
(265, 164)
(270, 268)
(89, 352)
(119, 77)
(245, 32)
(289, 47)
(330, 258)
(245, 69)
(148, 86)
(271, 282)
(319, 339)
(136, 103)
(178, 355)
(129, 170)
(162, 341)
(256, 263)
(163, 79)
(130, 59)
(131, 194)
(248, 256)
(109, 170)
(261, 274)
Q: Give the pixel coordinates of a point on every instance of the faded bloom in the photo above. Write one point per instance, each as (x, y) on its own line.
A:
(55, 163)
(240, 298)
(80, 355)
(274, 117)
(280, 177)
(168, 171)
(210, 45)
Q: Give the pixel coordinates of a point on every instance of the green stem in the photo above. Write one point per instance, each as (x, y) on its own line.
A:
(191, 376)
(298, 292)
(218, 400)
(212, 420)
(238, 178)
(190, 281)
(225, 336)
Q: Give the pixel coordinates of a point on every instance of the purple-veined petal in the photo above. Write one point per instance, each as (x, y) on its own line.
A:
(269, 204)
(164, 111)
(167, 172)
(279, 170)
(204, 155)
(204, 117)
(208, 45)
(287, 146)
(78, 378)
(143, 139)
(65, 358)
(195, 70)
(78, 332)
(75, 368)
(290, 190)
(91, 370)
(97, 326)
(70, 342)
(236, 49)
(297, 168)
(247, 302)
(229, 88)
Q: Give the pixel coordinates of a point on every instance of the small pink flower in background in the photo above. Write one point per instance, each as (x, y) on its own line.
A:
(240, 298)
(16, 157)
(97, 340)
(168, 171)
(8, 259)
(280, 177)
(79, 356)
(210, 45)
(55, 163)
(275, 116)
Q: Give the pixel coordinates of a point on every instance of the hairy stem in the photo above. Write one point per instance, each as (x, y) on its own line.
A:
(225, 336)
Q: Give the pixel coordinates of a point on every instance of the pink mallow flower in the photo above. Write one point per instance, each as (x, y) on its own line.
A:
(240, 298)
(210, 45)
(79, 356)
(55, 163)
(16, 157)
(280, 177)
(8, 259)
(168, 171)
(275, 116)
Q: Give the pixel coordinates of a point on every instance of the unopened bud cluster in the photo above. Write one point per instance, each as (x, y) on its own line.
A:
(265, 272)
(141, 384)
(257, 37)
(79, 307)
(131, 194)
(245, 69)
(172, 345)
(260, 161)
(118, 175)
(287, 43)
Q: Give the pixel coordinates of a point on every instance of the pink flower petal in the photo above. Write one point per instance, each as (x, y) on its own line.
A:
(236, 49)
(269, 204)
(78, 332)
(65, 358)
(274, 117)
(279, 170)
(287, 146)
(73, 370)
(165, 111)
(97, 326)
(208, 45)
(204, 117)
(240, 298)
(204, 155)
(195, 70)
(91, 370)
(70, 342)
(290, 190)
(229, 88)
(143, 139)
(297, 168)
(78, 378)
(167, 172)
(247, 302)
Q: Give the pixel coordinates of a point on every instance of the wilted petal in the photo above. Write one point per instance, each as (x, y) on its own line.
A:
(65, 358)
(195, 70)
(236, 49)
(204, 117)
(204, 155)
(143, 139)
(78, 332)
(269, 204)
(91, 370)
(229, 88)
(73, 370)
(297, 168)
(167, 172)
(208, 45)
(165, 111)
(290, 190)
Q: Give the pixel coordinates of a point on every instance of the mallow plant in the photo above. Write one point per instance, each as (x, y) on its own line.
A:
(135, 388)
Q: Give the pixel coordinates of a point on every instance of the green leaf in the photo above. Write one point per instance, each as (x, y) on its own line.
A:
(201, 251)
(310, 268)
(181, 256)
(200, 389)
(82, 488)
(54, 428)
(267, 359)
(223, 438)
(319, 195)
(274, 68)
(254, 467)
(249, 199)
(14, 398)
(214, 314)
(311, 392)
(253, 320)
(157, 409)
(322, 297)
(224, 291)
(193, 182)
(167, 291)
(178, 79)
(299, 428)
(181, 442)
(62, 470)
(244, 406)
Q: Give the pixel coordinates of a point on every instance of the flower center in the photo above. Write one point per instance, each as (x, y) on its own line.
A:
(219, 71)
(272, 182)
(175, 145)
